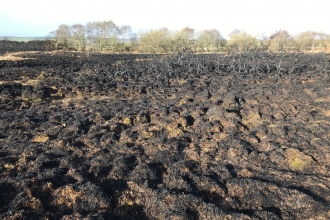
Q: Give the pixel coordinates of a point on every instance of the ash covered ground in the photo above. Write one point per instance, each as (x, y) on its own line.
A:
(241, 136)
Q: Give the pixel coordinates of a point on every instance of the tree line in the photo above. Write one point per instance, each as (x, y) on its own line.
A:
(107, 36)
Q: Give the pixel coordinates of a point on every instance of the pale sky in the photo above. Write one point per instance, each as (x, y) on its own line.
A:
(38, 18)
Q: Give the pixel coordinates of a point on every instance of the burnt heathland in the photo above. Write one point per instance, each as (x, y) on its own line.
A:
(208, 136)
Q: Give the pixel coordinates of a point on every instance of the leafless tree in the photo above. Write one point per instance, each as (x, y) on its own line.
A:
(242, 41)
(263, 42)
(101, 33)
(280, 40)
(78, 34)
(155, 41)
(125, 32)
(61, 36)
(211, 40)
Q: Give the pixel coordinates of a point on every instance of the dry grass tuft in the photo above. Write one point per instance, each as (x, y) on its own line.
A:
(127, 121)
(252, 119)
(181, 81)
(40, 138)
(12, 56)
(67, 196)
(326, 113)
(147, 134)
(173, 130)
(9, 166)
(182, 102)
(297, 160)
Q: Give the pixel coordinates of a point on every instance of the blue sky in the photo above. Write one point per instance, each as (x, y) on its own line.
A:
(38, 18)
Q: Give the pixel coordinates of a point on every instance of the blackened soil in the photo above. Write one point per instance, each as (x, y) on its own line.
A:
(143, 137)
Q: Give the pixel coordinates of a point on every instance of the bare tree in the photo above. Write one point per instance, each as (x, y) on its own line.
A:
(78, 34)
(323, 40)
(155, 41)
(181, 42)
(125, 32)
(101, 33)
(280, 40)
(309, 40)
(263, 42)
(240, 40)
(61, 36)
(187, 33)
(134, 42)
(211, 40)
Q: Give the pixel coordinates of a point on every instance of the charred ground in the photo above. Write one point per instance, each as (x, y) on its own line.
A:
(244, 136)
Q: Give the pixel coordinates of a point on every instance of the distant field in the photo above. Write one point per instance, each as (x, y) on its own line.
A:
(25, 39)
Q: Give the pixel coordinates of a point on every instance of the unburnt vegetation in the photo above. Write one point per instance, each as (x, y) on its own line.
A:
(209, 136)
(107, 36)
